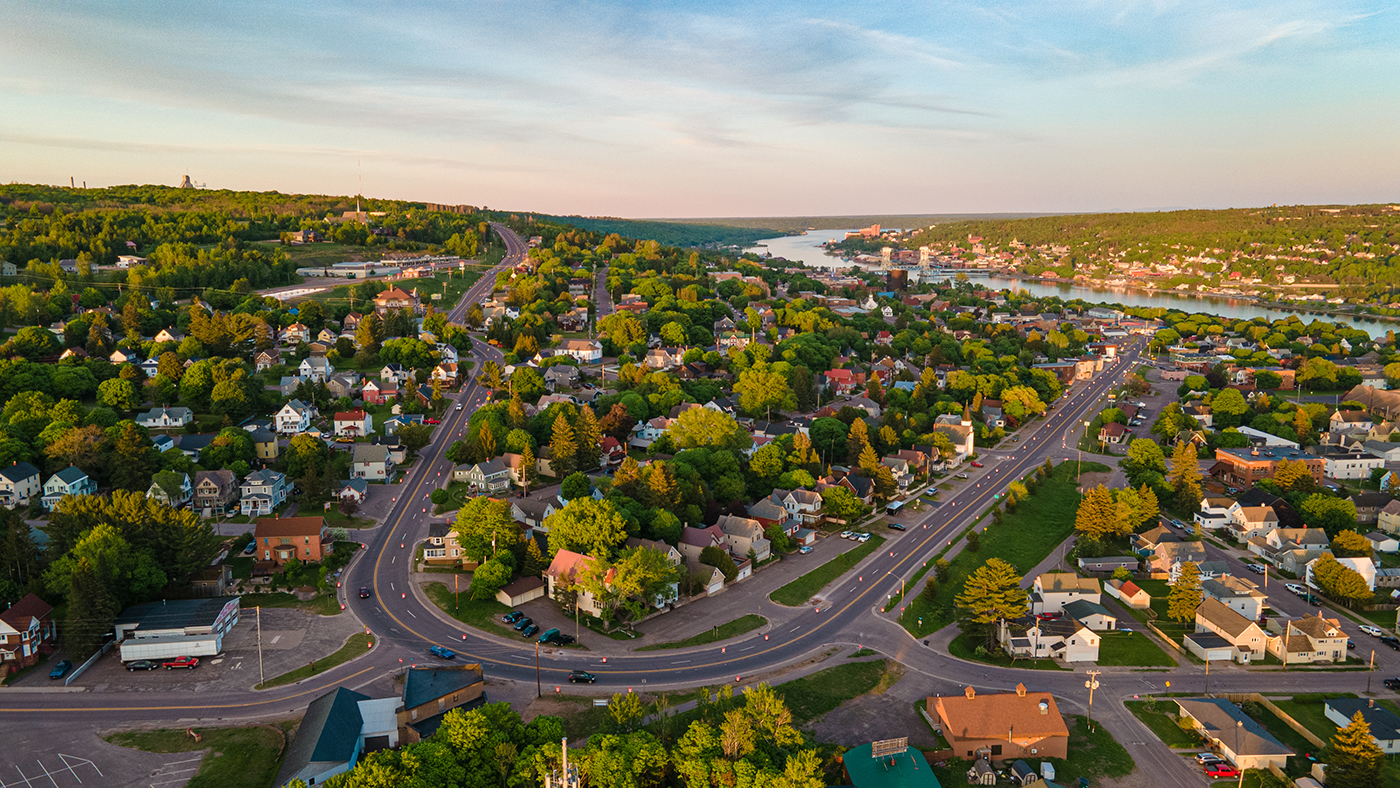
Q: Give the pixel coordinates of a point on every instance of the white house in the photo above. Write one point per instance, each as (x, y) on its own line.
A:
(1051, 591)
(315, 368)
(172, 489)
(353, 423)
(489, 476)
(18, 484)
(585, 350)
(372, 462)
(165, 418)
(395, 373)
(294, 417)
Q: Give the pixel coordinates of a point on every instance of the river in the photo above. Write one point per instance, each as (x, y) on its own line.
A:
(808, 249)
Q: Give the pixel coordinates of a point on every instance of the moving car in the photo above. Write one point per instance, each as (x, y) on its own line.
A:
(364, 592)
(521, 623)
(61, 669)
(1374, 632)
(1218, 770)
(439, 651)
(459, 406)
(804, 549)
(512, 617)
(976, 464)
(530, 630)
(142, 664)
(581, 676)
(184, 663)
(1392, 642)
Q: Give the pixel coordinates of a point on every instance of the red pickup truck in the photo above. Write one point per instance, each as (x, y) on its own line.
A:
(189, 663)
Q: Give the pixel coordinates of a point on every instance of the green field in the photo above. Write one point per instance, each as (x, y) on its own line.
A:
(238, 757)
(1023, 539)
(1133, 649)
(357, 645)
(965, 647)
(480, 613)
(1154, 714)
(805, 587)
(724, 631)
(812, 696)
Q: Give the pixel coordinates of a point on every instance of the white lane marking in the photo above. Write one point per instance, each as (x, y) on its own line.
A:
(411, 614)
(794, 629)
(682, 662)
(274, 640)
(745, 649)
(46, 774)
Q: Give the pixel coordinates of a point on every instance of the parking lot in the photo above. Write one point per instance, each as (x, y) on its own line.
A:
(43, 754)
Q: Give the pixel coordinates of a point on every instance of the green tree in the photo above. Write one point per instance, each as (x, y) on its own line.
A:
(563, 448)
(485, 527)
(577, 485)
(1185, 476)
(761, 389)
(857, 439)
(714, 556)
(991, 593)
(118, 394)
(488, 578)
(587, 526)
(589, 438)
(706, 428)
(1097, 517)
(1185, 595)
(1228, 407)
(133, 459)
(1144, 457)
(415, 437)
(1324, 511)
(661, 491)
(91, 610)
(1354, 760)
(529, 474)
(1350, 544)
(1340, 582)
(843, 504)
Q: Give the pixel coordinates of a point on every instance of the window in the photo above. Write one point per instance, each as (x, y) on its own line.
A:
(996, 749)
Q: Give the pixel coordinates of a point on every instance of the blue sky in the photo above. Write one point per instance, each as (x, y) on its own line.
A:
(716, 109)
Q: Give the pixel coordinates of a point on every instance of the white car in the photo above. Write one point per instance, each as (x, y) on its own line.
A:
(1297, 589)
(1374, 632)
(846, 535)
(863, 538)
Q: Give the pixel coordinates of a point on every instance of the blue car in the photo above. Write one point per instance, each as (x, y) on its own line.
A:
(439, 651)
(61, 669)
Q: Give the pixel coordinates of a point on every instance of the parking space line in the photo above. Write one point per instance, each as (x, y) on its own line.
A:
(46, 773)
(22, 777)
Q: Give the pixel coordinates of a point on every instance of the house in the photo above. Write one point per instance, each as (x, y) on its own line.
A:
(294, 418)
(1362, 566)
(445, 373)
(26, 631)
(561, 377)
(18, 484)
(1128, 592)
(661, 359)
(316, 369)
(335, 731)
(744, 535)
(520, 591)
(1348, 463)
(214, 492)
(344, 384)
(264, 361)
(1252, 521)
(1167, 557)
(1051, 591)
(442, 546)
(1092, 615)
(1065, 639)
(1236, 593)
(695, 540)
(534, 509)
(711, 579)
(429, 693)
(398, 453)
(171, 488)
(1369, 505)
(353, 423)
(262, 492)
(1383, 542)
(353, 490)
(296, 334)
(280, 539)
(1215, 512)
(396, 374)
(1388, 518)
(961, 434)
(124, 356)
(394, 298)
(378, 392)
(1244, 635)
(163, 418)
(613, 452)
(484, 477)
(586, 351)
(1243, 742)
(1109, 563)
(1113, 433)
(69, 481)
(1384, 725)
(372, 462)
(264, 443)
(1022, 724)
(1307, 640)
(561, 576)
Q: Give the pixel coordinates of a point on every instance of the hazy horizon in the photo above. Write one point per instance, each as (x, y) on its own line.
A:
(717, 110)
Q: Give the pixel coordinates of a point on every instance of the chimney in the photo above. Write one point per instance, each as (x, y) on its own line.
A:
(1020, 690)
(1044, 707)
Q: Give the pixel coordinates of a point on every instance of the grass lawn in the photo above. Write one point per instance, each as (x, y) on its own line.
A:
(337, 519)
(812, 696)
(242, 567)
(238, 757)
(322, 604)
(964, 647)
(1154, 714)
(585, 719)
(1023, 539)
(356, 645)
(722, 632)
(457, 495)
(480, 613)
(805, 587)
(1280, 730)
(1307, 710)
(1133, 649)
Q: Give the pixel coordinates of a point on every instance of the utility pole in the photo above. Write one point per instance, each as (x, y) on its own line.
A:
(1369, 670)
(539, 693)
(261, 677)
(1092, 684)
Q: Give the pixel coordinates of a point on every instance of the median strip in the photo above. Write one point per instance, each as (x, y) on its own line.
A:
(805, 587)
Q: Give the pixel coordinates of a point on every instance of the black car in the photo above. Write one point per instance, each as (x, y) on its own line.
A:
(142, 664)
(896, 527)
(364, 592)
(563, 640)
(1392, 684)
(511, 618)
(522, 623)
(581, 677)
(530, 630)
(1392, 642)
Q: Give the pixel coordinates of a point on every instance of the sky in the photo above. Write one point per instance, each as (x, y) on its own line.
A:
(656, 109)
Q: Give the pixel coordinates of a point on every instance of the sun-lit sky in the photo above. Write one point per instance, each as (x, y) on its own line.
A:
(651, 109)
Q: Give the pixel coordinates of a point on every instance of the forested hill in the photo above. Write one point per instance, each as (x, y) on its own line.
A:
(150, 197)
(672, 233)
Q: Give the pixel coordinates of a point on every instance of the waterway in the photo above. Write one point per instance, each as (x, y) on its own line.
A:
(808, 249)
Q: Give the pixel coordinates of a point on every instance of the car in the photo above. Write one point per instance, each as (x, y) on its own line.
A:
(1393, 684)
(521, 623)
(511, 618)
(184, 663)
(1047, 616)
(296, 489)
(863, 538)
(1392, 642)
(804, 549)
(1205, 758)
(847, 535)
(459, 406)
(1351, 644)
(250, 548)
(431, 421)
(439, 651)
(581, 677)
(897, 527)
(1374, 632)
(1297, 589)
(549, 635)
(142, 664)
(1218, 770)
(530, 630)
(976, 464)
(61, 669)
(345, 440)
(1126, 630)
(962, 476)
(1255, 568)
(563, 639)
(364, 592)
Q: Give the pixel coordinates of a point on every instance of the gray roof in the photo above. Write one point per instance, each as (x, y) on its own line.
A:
(19, 472)
(1384, 725)
(358, 485)
(1082, 608)
(263, 477)
(263, 435)
(1221, 719)
(421, 685)
(175, 613)
(368, 452)
(70, 475)
(493, 466)
(328, 733)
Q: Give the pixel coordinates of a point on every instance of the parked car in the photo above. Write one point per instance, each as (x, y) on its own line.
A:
(1219, 770)
(431, 421)
(863, 538)
(581, 677)
(1297, 589)
(563, 639)
(184, 663)
(364, 592)
(530, 630)
(1207, 758)
(439, 651)
(962, 476)
(521, 623)
(250, 548)
(1374, 632)
(804, 549)
(549, 635)
(847, 535)
(1392, 642)
(976, 464)
(1255, 568)
(61, 669)
(1393, 684)
(897, 526)
(512, 617)
(142, 664)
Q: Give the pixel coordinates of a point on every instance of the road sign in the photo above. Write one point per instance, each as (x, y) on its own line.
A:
(888, 747)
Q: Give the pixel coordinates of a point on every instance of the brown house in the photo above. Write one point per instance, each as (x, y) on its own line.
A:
(1006, 725)
(26, 631)
(280, 539)
(429, 693)
(215, 492)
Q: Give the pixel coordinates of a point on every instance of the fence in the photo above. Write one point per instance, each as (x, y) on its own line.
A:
(1241, 697)
(108, 646)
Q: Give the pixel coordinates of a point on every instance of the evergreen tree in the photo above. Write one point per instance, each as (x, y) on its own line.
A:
(486, 442)
(801, 382)
(991, 593)
(563, 448)
(1355, 761)
(589, 437)
(91, 610)
(661, 491)
(535, 563)
(802, 454)
(888, 440)
(1127, 511)
(869, 464)
(529, 473)
(1185, 476)
(1149, 511)
(369, 333)
(628, 478)
(515, 414)
(1185, 595)
(857, 439)
(1097, 516)
(1302, 424)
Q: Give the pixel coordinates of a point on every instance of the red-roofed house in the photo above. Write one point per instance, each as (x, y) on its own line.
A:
(1112, 433)
(613, 452)
(842, 382)
(26, 631)
(377, 392)
(353, 423)
(884, 338)
(1129, 594)
(562, 574)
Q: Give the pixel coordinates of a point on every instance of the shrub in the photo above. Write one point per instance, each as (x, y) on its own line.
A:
(940, 570)
(974, 541)
(438, 496)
